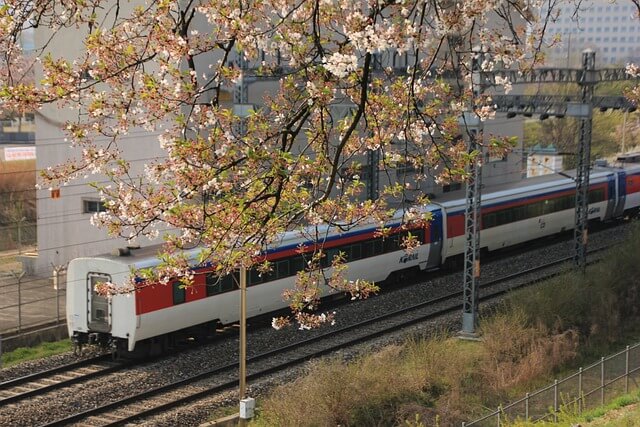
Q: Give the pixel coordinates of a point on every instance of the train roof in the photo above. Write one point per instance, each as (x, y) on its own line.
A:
(144, 257)
(148, 256)
(541, 183)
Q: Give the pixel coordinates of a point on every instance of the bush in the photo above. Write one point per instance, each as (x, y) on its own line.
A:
(442, 381)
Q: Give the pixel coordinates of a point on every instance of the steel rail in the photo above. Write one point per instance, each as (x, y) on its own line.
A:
(124, 416)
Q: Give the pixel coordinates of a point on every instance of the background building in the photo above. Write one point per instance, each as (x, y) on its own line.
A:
(611, 29)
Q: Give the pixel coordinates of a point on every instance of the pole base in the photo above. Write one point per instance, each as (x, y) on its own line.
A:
(468, 336)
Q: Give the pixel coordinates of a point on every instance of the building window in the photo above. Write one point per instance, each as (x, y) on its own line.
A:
(405, 168)
(93, 206)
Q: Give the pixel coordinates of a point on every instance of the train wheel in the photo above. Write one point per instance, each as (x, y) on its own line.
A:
(77, 348)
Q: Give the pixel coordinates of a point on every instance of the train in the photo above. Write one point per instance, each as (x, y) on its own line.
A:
(149, 319)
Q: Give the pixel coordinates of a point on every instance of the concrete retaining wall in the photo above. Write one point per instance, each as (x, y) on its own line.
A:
(35, 337)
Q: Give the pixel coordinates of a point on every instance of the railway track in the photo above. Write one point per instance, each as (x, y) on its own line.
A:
(224, 378)
(27, 386)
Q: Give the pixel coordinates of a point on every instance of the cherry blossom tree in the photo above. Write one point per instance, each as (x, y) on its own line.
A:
(350, 77)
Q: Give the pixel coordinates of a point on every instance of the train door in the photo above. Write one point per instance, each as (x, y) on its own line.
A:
(621, 192)
(98, 306)
(435, 239)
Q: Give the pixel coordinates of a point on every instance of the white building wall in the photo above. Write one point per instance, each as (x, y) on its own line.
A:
(64, 230)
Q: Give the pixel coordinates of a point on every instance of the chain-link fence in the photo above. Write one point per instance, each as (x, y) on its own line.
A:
(590, 387)
(27, 301)
(18, 235)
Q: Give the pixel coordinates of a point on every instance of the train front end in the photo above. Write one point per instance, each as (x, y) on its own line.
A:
(108, 321)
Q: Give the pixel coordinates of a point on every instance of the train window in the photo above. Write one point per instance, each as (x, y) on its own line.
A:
(297, 263)
(378, 247)
(254, 277)
(534, 209)
(217, 285)
(501, 218)
(571, 202)
(230, 282)
(489, 220)
(391, 243)
(367, 249)
(596, 196)
(283, 269)
(212, 283)
(330, 254)
(179, 293)
(356, 252)
(372, 248)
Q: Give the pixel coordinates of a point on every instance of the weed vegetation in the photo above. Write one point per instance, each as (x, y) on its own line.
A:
(530, 337)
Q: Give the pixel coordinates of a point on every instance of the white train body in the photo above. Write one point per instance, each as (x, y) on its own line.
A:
(511, 214)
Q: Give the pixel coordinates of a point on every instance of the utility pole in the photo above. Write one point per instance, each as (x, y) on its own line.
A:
(580, 234)
(241, 109)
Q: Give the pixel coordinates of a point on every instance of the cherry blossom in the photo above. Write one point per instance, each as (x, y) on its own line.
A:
(345, 78)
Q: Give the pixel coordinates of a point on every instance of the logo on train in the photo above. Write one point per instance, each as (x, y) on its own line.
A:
(408, 257)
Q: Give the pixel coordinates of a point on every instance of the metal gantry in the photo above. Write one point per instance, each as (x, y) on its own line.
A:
(545, 105)
(566, 105)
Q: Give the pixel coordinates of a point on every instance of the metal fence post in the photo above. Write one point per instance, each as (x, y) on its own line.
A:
(626, 370)
(555, 400)
(57, 305)
(580, 391)
(19, 305)
(499, 413)
(18, 277)
(602, 381)
(56, 285)
(0, 350)
(526, 407)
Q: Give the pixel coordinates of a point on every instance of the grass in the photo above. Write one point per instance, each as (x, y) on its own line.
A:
(40, 351)
(528, 340)
(623, 411)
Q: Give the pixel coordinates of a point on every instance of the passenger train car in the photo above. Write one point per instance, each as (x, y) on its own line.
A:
(150, 317)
